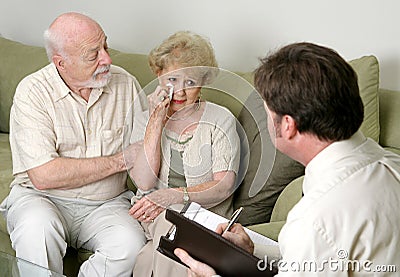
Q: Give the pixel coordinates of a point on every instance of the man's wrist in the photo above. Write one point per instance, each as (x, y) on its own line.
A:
(117, 162)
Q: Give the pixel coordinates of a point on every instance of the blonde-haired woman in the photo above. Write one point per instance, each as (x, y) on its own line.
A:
(191, 148)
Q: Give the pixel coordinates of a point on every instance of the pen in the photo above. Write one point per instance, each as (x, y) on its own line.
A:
(234, 218)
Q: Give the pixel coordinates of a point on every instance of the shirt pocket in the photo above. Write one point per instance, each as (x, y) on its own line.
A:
(111, 141)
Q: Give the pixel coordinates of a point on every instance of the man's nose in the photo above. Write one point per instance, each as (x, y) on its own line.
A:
(105, 57)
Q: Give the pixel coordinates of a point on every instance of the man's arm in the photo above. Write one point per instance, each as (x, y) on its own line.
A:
(67, 173)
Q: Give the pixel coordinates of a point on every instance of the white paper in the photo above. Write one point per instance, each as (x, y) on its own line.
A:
(211, 220)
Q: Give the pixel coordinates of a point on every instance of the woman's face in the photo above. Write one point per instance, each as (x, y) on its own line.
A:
(187, 85)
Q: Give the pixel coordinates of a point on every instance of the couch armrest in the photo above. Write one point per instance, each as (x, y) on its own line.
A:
(270, 230)
(287, 199)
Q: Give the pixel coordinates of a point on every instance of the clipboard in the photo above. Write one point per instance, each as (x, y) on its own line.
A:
(206, 246)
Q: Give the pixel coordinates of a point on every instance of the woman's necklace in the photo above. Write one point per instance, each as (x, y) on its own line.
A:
(181, 142)
(195, 109)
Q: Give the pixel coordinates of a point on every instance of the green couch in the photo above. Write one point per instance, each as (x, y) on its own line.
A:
(269, 171)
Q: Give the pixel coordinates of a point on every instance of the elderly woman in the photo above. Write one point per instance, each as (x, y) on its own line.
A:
(191, 148)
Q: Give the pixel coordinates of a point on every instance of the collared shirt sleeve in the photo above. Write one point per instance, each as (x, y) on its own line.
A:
(140, 114)
(32, 137)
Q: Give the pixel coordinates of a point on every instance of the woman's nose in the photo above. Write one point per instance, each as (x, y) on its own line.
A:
(179, 87)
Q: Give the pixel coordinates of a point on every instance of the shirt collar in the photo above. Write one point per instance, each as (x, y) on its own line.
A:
(329, 157)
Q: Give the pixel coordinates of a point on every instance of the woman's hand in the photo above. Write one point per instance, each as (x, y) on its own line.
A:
(145, 210)
(151, 205)
(158, 98)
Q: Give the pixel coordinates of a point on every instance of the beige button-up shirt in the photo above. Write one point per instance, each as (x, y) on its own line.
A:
(48, 121)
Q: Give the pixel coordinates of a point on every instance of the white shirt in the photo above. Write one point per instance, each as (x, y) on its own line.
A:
(349, 214)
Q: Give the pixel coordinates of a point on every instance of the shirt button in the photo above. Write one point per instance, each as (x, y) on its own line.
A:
(89, 132)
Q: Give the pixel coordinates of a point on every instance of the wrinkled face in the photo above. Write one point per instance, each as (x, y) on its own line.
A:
(88, 64)
(187, 86)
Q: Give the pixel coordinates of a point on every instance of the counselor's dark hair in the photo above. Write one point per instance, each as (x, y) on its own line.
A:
(314, 85)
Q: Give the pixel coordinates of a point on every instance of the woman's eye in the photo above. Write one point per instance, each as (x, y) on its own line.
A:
(172, 79)
(190, 83)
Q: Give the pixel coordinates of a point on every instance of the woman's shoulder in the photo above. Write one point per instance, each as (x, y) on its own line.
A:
(211, 109)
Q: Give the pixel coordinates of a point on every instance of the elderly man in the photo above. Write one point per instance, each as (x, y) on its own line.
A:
(347, 221)
(67, 123)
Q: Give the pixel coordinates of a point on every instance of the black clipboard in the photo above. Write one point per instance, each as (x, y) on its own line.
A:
(211, 248)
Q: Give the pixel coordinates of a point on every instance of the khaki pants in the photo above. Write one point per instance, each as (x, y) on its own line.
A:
(41, 227)
(150, 262)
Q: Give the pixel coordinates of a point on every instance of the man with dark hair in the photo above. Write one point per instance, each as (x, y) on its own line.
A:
(348, 219)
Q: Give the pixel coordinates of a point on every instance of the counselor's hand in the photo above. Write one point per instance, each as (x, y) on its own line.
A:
(237, 235)
(196, 268)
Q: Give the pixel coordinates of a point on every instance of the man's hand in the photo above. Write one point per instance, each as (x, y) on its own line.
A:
(197, 269)
(130, 154)
(237, 235)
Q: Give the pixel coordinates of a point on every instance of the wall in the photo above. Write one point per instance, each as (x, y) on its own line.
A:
(240, 30)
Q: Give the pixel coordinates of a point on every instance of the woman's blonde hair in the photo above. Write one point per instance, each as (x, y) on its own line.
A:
(186, 49)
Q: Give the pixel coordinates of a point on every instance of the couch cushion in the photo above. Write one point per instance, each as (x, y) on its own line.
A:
(5, 174)
(269, 170)
(389, 103)
(17, 61)
(367, 69)
(136, 64)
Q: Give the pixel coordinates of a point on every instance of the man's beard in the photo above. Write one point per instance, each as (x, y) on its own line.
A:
(99, 83)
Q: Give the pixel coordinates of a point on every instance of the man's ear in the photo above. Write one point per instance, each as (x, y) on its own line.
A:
(288, 127)
(59, 62)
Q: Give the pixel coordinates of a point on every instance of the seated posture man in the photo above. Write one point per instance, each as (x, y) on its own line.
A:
(70, 175)
(347, 222)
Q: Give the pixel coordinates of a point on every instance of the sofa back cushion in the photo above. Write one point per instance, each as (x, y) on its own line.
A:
(136, 64)
(389, 115)
(367, 69)
(17, 61)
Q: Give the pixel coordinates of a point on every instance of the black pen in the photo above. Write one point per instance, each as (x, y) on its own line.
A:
(234, 218)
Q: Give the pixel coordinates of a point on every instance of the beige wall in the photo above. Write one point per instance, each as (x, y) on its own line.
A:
(240, 30)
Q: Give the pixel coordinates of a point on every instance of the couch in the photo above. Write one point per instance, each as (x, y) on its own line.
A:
(271, 182)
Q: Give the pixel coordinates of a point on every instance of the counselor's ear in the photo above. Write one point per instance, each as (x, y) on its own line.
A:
(288, 127)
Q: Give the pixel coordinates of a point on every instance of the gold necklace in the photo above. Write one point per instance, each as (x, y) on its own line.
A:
(196, 108)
